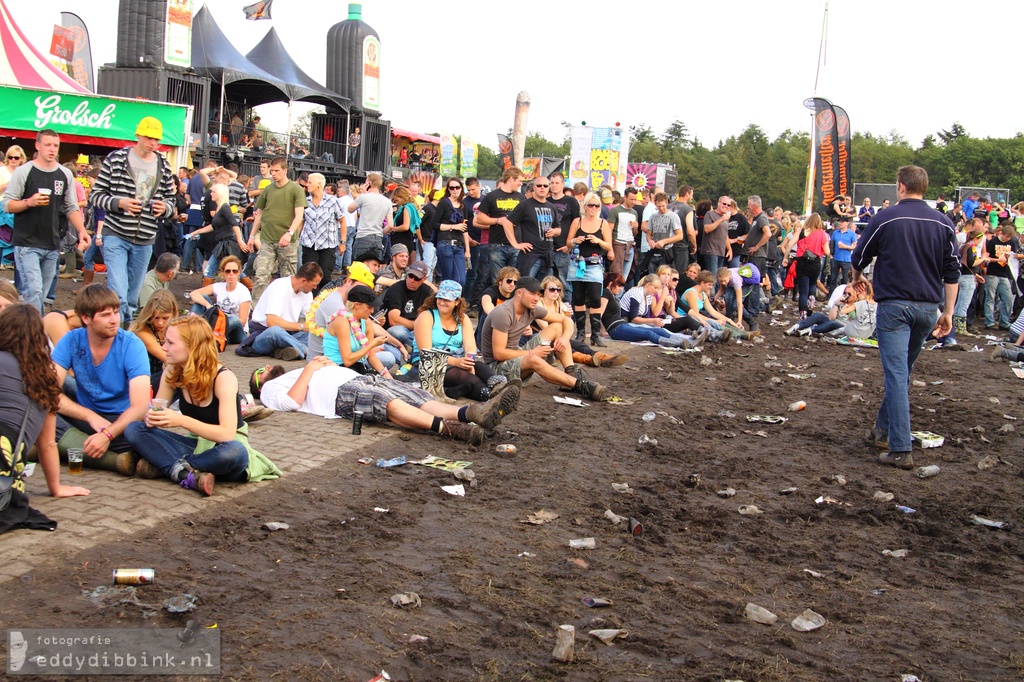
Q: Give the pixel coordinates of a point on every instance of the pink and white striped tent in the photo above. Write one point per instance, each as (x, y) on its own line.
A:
(22, 64)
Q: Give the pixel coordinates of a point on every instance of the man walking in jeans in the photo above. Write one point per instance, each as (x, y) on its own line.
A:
(916, 270)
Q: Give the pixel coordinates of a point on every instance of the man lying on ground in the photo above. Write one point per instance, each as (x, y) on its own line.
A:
(325, 389)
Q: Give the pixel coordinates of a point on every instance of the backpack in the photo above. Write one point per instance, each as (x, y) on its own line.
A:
(219, 324)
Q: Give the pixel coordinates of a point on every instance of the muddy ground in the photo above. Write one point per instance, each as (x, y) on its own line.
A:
(313, 601)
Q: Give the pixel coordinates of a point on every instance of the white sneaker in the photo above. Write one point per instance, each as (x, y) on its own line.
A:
(805, 332)
(793, 331)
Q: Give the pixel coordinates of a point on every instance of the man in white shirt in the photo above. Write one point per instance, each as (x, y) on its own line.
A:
(278, 327)
(323, 388)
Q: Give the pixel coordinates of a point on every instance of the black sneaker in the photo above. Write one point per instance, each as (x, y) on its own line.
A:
(900, 460)
(468, 433)
(488, 415)
(590, 390)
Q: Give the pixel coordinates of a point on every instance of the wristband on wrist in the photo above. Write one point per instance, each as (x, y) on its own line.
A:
(106, 432)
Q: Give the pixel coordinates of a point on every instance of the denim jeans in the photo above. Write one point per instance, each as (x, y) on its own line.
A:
(451, 261)
(89, 257)
(1003, 288)
(428, 254)
(537, 263)
(712, 263)
(403, 334)
(373, 242)
(274, 338)
(562, 261)
(350, 243)
(36, 269)
(502, 255)
(840, 273)
(170, 452)
(627, 331)
(126, 268)
(751, 301)
(902, 327)
(191, 257)
(964, 295)
(819, 323)
(473, 272)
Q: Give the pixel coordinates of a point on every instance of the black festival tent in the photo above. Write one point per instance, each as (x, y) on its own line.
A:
(215, 57)
(271, 56)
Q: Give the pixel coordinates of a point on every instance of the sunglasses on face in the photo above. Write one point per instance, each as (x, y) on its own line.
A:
(14, 158)
(511, 281)
(231, 272)
(593, 205)
(414, 278)
(452, 188)
(541, 186)
(674, 279)
(554, 289)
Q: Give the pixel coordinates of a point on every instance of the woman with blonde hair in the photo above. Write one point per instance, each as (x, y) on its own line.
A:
(14, 157)
(582, 354)
(151, 327)
(225, 234)
(29, 396)
(590, 243)
(207, 394)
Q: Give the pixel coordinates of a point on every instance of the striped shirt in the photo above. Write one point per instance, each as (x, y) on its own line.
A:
(115, 183)
(237, 196)
(635, 303)
(322, 229)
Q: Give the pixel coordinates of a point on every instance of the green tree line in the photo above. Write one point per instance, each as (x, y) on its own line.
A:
(776, 169)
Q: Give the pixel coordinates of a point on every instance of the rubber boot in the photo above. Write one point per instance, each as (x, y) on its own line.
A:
(583, 359)
(595, 331)
(87, 277)
(247, 283)
(579, 318)
(433, 366)
(207, 281)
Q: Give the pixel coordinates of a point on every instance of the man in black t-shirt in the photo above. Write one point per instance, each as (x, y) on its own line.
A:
(567, 209)
(999, 250)
(683, 208)
(533, 221)
(403, 300)
(37, 194)
(499, 203)
(479, 243)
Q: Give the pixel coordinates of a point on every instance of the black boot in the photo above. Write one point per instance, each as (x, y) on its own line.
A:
(595, 330)
(580, 320)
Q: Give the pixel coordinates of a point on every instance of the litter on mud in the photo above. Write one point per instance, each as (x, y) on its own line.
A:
(275, 525)
(807, 621)
(456, 490)
(583, 543)
(403, 599)
(608, 636)
(759, 614)
(539, 518)
(575, 402)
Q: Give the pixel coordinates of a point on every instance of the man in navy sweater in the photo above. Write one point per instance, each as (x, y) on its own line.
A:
(916, 270)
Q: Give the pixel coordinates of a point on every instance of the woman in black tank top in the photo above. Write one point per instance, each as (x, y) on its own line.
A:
(207, 393)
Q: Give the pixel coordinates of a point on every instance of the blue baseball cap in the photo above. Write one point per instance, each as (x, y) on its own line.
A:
(449, 290)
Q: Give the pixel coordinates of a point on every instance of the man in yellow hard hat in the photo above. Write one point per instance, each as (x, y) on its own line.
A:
(136, 189)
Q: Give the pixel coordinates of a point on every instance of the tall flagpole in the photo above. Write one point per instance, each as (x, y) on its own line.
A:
(809, 103)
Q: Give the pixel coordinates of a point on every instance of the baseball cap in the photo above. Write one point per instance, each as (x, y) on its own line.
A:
(531, 284)
(361, 294)
(399, 248)
(419, 268)
(449, 290)
(606, 196)
(358, 272)
(150, 126)
(843, 219)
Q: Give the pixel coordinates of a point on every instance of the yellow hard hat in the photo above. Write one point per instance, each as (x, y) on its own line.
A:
(83, 159)
(358, 272)
(150, 126)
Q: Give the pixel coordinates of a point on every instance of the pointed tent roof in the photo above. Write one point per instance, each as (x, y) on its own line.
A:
(214, 56)
(271, 56)
(22, 64)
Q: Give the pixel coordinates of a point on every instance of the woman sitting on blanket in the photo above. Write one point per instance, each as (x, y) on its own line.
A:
(207, 392)
(853, 315)
(442, 324)
(630, 318)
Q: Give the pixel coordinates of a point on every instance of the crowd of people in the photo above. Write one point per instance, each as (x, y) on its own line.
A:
(429, 311)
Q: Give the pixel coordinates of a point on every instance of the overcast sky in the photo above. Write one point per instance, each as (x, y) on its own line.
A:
(719, 66)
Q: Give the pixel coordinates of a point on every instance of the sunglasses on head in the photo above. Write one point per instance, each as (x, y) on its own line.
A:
(554, 289)
(256, 376)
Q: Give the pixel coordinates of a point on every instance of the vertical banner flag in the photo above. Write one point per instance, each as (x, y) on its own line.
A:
(469, 157)
(81, 58)
(504, 152)
(178, 34)
(827, 172)
(63, 44)
(843, 144)
(597, 156)
(448, 164)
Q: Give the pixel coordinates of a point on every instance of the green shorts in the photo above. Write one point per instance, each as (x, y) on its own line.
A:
(513, 369)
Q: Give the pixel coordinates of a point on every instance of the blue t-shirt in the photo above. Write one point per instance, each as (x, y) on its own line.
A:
(103, 388)
(848, 238)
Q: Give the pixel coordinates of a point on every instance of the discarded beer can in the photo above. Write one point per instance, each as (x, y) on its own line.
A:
(797, 406)
(134, 576)
(357, 423)
(928, 472)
